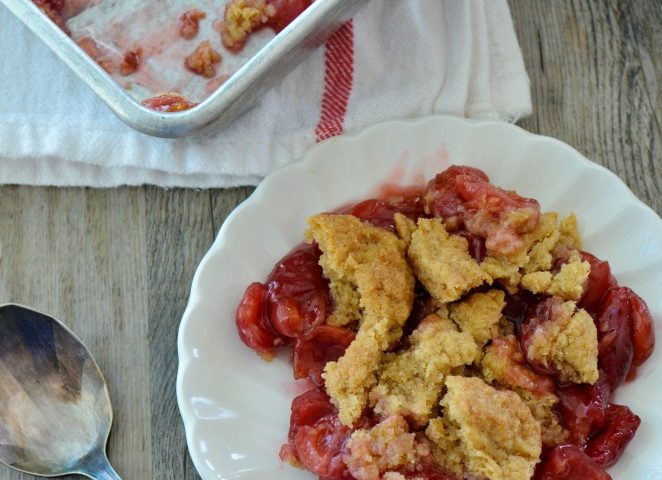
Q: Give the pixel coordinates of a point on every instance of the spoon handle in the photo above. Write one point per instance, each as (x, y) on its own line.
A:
(100, 469)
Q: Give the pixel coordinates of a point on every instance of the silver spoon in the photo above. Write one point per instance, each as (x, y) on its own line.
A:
(55, 412)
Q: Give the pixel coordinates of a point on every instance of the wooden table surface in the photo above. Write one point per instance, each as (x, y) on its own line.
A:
(116, 265)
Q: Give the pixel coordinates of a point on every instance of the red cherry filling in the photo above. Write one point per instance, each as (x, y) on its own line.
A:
(293, 301)
(380, 211)
(615, 348)
(442, 198)
(582, 409)
(606, 447)
(568, 462)
(643, 332)
(253, 324)
(317, 438)
(463, 196)
(599, 281)
(312, 351)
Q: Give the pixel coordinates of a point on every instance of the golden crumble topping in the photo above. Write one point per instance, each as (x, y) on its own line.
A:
(568, 341)
(504, 365)
(385, 447)
(404, 226)
(346, 303)
(479, 315)
(568, 283)
(451, 346)
(411, 381)
(485, 432)
(543, 410)
(530, 266)
(442, 262)
(373, 261)
(241, 18)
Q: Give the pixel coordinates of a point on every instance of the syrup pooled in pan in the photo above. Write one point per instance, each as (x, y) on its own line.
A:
(160, 50)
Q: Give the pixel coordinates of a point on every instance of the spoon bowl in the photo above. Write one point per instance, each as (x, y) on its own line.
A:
(56, 412)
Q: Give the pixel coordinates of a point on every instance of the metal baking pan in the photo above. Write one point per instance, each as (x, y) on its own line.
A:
(240, 92)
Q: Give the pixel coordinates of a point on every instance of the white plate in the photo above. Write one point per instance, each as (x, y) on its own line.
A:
(236, 407)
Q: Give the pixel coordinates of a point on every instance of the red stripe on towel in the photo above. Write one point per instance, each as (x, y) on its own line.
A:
(338, 80)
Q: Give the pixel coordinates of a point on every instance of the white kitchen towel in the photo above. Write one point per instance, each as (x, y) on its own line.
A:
(396, 59)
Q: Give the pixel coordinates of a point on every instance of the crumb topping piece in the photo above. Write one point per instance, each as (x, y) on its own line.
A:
(385, 447)
(568, 341)
(372, 260)
(241, 18)
(504, 365)
(442, 262)
(411, 381)
(479, 315)
(531, 264)
(569, 283)
(485, 432)
(404, 226)
(203, 60)
(189, 23)
(543, 409)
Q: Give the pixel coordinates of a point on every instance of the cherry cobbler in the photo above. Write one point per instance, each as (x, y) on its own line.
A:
(451, 332)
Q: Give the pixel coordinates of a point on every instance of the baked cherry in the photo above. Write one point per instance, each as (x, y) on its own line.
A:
(442, 199)
(298, 292)
(615, 347)
(606, 447)
(600, 280)
(308, 408)
(500, 216)
(320, 447)
(568, 462)
(520, 376)
(294, 300)
(253, 322)
(477, 248)
(322, 344)
(463, 196)
(582, 409)
(317, 438)
(643, 332)
(380, 212)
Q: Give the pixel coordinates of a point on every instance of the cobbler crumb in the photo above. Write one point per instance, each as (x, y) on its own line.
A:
(411, 381)
(442, 262)
(241, 18)
(568, 341)
(387, 446)
(373, 261)
(203, 60)
(404, 226)
(485, 432)
(479, 315)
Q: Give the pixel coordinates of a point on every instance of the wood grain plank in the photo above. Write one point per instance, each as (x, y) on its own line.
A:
(589, 86)
(224, 201)
(80, 256)
(645, 19)
(179, 234)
